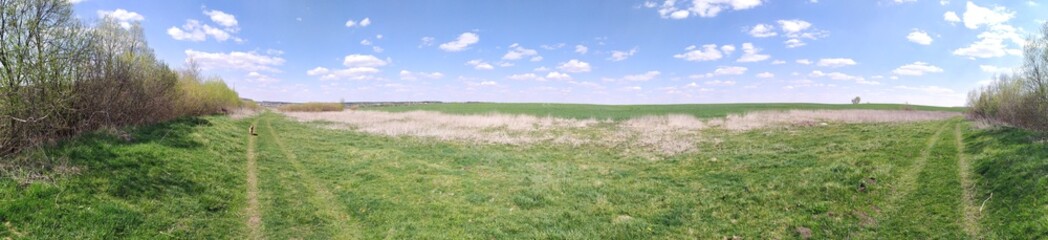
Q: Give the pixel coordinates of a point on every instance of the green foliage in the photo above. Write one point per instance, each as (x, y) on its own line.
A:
(59, 78)
(856, 100)
(1021, 99)
(619, 112)
(313, 107)
(1013, 166)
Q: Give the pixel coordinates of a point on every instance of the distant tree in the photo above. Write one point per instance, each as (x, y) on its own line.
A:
(856, 100)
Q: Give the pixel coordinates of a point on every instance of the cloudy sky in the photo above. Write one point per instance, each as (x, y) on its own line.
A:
(610, 52)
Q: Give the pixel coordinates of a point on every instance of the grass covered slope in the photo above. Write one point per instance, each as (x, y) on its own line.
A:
(619, 112)
(182, 179)
(189, 179)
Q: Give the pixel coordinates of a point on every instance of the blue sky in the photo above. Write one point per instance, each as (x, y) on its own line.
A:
(609, 52)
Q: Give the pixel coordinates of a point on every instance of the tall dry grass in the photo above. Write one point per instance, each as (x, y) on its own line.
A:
(657, 135)
(313, 107)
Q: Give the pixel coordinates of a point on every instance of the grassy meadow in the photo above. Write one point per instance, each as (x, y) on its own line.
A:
(208, 178)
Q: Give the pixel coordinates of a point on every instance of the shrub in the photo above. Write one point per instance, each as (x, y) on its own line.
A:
(313, 107)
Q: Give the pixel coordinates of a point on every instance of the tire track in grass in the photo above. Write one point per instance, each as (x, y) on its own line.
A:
(254, 216)
(341, 224)
(968, 208)
(908, 181)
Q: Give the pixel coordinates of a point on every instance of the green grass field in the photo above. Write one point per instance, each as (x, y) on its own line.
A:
(207, 178)
(626, 111)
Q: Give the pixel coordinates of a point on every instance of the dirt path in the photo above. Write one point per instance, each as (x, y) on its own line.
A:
(254, 214)
(969, 210)
(342, 226)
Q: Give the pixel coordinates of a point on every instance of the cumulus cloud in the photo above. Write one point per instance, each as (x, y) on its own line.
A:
(581, 49)
(765, 75)
(708, 52)
(702, 8)
(245, 61)
(729, 70)
(836, 62)
(525, 76)
(720, 83)
(574, 66)
(794, 26)
(122, 17)
(196, 31)
(256, 77)
(794, 43)
(916, 69)
(411, 76)
(752, 54)
(426, 41)
(222, 18)
(362, 23)
(839, 76)
(461, 43)
(991, 43)
(804, 61)
(558, 76)
(360, 60)
(975, 16)
(763, 31)
(516, 52)
(951, 17)
(919, 37)
(480, 64)
(621, 55)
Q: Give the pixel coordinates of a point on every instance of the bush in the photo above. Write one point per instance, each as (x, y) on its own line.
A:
(59, 78)
(1021, 99)
(313, 107)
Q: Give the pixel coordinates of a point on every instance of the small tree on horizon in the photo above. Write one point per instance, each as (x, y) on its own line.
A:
(856, 100)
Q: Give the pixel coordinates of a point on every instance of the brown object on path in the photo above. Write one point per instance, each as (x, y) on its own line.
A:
(251, 130)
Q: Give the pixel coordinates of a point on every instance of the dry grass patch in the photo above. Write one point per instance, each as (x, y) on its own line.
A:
(313, 107)
(646, 135)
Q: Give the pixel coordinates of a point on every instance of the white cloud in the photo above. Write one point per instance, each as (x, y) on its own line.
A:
(919, 37)
(648, 76)
(480, 64)
(362, 23)
(951, 17)
(525, 76)
(992, 43)
(360, 60)
(708, 52)
(552, 47)
(575, 66)
(541, 69)
(752, 54)
(222, 18)
(843, 77)
(975, 16)
(365, 42)
(794, 26)
(411, 76)
(461, 43)
(355, 73)
(794, 43)
(763, 31)
(701, 8)
(488, 83)
(246, 61)
(804, 61)
(122, 17)
(836, 62)
(377, 49)
(318, 71)
(730, 70)
(765, 75)
(916, 69)
(516, 52)
(256, 77)
(995, 69)
(558, 76)
(581, 49)
(622, 55)
(194, 31)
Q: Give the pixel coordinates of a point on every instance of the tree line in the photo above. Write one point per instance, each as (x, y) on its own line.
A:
(60, 77)
(1019, 99)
